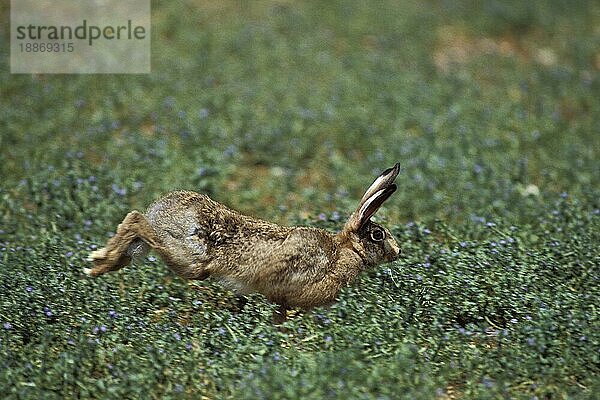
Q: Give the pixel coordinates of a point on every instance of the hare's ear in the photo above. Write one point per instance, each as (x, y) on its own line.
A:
(386, 178)
(374, 197)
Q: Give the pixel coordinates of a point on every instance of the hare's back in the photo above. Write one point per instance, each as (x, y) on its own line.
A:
(177, 206)
(180, 215)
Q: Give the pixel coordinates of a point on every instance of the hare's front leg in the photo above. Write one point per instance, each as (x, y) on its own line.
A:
(115, 255)
(280, 314)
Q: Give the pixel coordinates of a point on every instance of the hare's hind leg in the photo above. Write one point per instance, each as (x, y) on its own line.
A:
(115, 255)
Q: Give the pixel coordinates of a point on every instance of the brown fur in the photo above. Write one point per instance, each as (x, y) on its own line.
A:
(295, 267)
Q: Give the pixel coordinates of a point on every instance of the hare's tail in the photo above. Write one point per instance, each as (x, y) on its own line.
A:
(133, 239)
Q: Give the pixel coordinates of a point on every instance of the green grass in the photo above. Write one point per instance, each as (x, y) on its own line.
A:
(287, 112)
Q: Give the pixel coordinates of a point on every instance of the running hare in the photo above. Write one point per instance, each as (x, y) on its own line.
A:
(291, 266)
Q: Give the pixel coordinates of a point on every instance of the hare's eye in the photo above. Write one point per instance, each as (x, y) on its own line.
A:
(377, 235)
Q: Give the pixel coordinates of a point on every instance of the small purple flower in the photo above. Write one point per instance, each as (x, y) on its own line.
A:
(203, 113)
(490, 224)
(328, 338)
(335, 216)
(112, 314)
(8, 325)
(69, 254)
(276, 356)
(177, 336)
(221, 331)
(426, 231)
(118, 190)
(48, 312)
(230, 151)
(531, 341)
(487, 382)
(188, 346)
(202, 172)
(322, 217)
(28, 289)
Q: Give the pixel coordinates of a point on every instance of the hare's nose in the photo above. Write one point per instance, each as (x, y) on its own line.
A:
(395, 254)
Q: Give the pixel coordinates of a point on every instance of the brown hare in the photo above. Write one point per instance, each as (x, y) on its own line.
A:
(294, 267)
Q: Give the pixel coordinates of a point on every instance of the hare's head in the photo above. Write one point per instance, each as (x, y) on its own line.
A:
(374, 243)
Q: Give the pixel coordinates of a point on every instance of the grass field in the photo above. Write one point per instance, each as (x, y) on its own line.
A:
(287, 111)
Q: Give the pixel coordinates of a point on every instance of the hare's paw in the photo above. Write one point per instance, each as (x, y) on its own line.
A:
(104, 261)
(104, 265)
(99, 254)
(100, 260)
(94, 271)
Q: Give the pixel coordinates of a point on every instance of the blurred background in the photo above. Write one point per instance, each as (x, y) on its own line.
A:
(289, 109)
